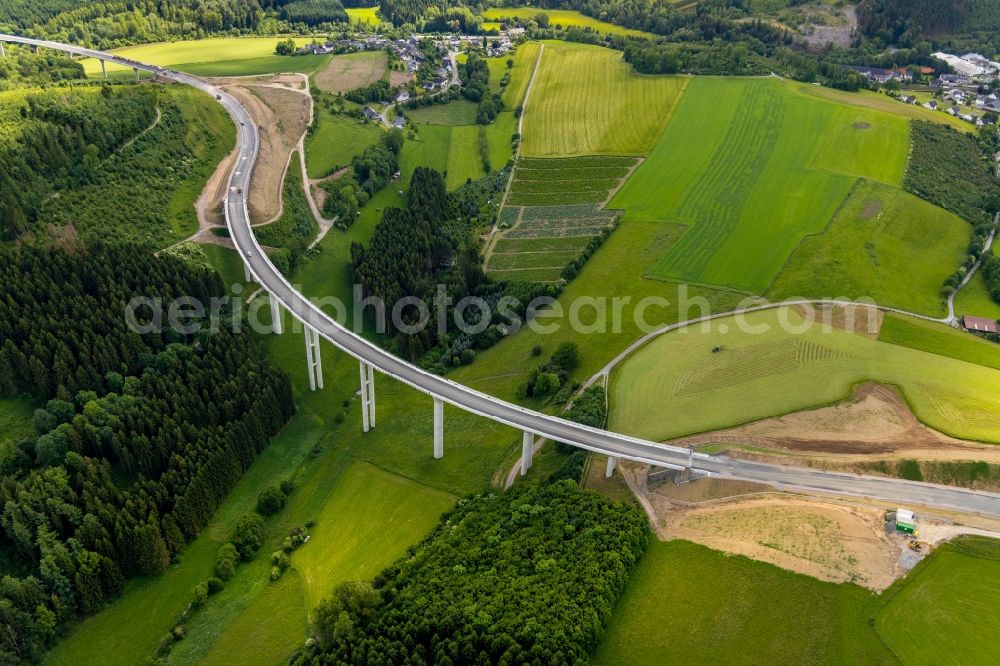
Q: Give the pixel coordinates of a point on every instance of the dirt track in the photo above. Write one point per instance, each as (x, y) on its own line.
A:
(281, 113)
(876, 421)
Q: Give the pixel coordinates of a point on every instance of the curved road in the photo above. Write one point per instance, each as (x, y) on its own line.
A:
(468, 399)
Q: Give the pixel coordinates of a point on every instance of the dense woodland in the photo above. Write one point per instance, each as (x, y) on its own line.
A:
(60, 140)
(526, 576)
(141, 437)
(106, 24)
(72, 150)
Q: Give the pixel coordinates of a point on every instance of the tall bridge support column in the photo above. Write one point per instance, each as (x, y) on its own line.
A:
(3, 52)
(275, 314)
(438, 428)
(104, 68)
(247, 277)
(367, 396)
(371, 394)
(527, 450)
(610, 469)
(136, 74)
(314, 364)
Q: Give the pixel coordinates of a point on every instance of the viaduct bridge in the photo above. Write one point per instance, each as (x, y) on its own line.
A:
(317, 324)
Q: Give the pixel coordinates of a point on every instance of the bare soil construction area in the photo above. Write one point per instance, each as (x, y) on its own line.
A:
(875, 422)
(827, 538)
(281, 110)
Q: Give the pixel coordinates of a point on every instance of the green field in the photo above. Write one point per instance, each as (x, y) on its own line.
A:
(560, 17)
(752, 168)
(586, 100)
(688, 604)
(225, 56)
(945, 611)
(884, 244)
(879, 102)
(457, 112)
(336, 141)
(520, 74)
(454, 150)
(975, 299)
(939, 339)
(366, 15)
(366, 523)
(662, 390)
(15, 423)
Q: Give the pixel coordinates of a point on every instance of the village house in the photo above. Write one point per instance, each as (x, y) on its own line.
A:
(370, 113)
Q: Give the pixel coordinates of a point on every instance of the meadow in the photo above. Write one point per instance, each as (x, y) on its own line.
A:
(454, 149)
(939, 339)
(520, 74)
(336, 140)
(760, 371)
(751, 168)
(884, 244)
(457, 112)
(564, 18)
(975, 299)
(944, 611)
(366, 15)
(224, 56)
(686, 603)
(879, 102)
(586, 100)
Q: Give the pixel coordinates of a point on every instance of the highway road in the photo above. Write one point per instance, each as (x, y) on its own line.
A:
(893, 491)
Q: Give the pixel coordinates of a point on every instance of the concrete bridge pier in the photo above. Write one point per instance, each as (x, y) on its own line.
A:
(275, 314)
(527, 446)
(438, 428)
(610, 469)
(136, 74)
(367, 396)
(104, 68)
(314, 364)
(3, 52)
(247, 277)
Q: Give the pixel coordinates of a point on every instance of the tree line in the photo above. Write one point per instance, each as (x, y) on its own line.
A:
(370, 172)
(139, 438)
(527, 576)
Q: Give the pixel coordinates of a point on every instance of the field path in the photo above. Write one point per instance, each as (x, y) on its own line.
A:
(492, 238)
(968, 276)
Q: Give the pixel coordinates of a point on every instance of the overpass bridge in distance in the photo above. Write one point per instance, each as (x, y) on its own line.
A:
(532, 424)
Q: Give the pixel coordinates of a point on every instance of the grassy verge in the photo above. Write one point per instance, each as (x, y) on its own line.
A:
(939, 339)
(687, 602)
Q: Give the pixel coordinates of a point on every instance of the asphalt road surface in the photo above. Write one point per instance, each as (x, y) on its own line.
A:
(894, 491)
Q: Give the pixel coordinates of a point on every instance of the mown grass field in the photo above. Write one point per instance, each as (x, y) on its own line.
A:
(884, 244)
(677, 385)
(561, 17)
(752, 168)
(688, 604)
(586, 100)
(336, 141)
(945, 610)
(224, 56)
(939, 339)
(879, 102)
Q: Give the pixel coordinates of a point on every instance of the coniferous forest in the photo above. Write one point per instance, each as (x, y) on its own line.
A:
(140, 436)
